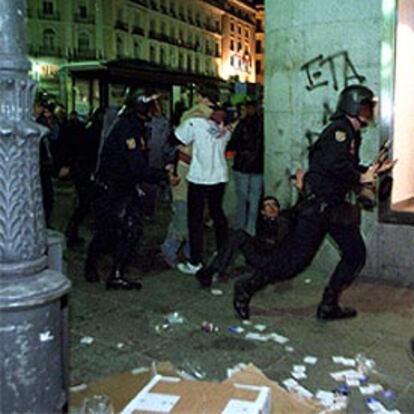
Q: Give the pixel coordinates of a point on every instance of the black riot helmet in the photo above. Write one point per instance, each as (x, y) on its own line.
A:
(357, 101)
(140, 102)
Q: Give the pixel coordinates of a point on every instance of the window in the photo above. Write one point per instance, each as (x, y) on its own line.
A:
(232, 60)
(231, 44)
(162, 56)
(119, 46)
(239, 46)
(153, 26)
(217, 49)
(239, 30)
(246, 33)
(82, 8)
(258, 67)
(49, 39)
(48, 7)
(197, 65)
(172, 32)
(180, 61)
(153, 53)
(189, 63)
(83, 42)
(232, 27)
(163, 28)
(258, 46)
(137, 50)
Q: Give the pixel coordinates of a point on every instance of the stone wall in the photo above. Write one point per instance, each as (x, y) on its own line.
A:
(313, 49)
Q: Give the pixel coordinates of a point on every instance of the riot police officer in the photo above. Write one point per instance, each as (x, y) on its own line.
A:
(117, 206)
(334, 171)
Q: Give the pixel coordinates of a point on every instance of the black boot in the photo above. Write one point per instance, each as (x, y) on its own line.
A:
(205, 276)
(329, 309)
(118, 281)
(241, 299)
(244, 289)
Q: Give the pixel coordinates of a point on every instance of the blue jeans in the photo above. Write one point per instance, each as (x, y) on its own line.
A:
(177, 235)
(248, 192)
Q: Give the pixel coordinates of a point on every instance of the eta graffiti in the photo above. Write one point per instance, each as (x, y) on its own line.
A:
(316, 76)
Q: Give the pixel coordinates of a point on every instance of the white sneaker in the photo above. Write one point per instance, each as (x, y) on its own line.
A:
(188, 268)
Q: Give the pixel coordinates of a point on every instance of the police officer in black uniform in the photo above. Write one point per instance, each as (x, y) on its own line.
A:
(118, 199)
(334, 171)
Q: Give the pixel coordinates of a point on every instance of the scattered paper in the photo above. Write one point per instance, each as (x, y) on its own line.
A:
(254, 336)
(349, 362)
(311, 360)
(216, 292)
(278, 338)
(371, 389)
(299, 368)
(307, 281)
(246, 322)
(140, 370)
(120, 345)
(46, 336)
(346, 375)
(77, 388)
(292, 385)
(299, 375)
(260, 327)
(87, 340)
(289, 348)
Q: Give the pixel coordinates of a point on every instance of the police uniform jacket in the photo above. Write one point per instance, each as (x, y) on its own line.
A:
(334, 167)
(123, 164)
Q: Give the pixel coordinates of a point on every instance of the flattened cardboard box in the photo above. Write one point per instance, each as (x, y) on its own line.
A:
(176, 396)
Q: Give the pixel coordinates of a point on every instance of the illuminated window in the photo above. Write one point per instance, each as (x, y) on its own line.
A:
(49, 38)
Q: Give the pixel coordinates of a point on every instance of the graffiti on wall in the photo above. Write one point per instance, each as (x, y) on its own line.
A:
(335, 71)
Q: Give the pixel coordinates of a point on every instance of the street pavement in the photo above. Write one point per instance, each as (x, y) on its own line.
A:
(162, 322)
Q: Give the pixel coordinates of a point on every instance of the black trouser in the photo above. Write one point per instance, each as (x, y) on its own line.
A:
(239, 241)
(313, 223)
(119, 227)
(83, 189)
(197, 196)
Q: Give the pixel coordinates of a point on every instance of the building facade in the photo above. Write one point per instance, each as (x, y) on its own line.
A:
(260, 43)
(212, 38)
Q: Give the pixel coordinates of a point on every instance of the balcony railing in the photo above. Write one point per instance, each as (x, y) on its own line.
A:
(140, 2)
(84, 54)
(48, 16)
(136, 30)
(79, 18)
(120, 25)
(43, 51)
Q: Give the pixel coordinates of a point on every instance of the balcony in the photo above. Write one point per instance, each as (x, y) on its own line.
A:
(119, 25)
(45, 51)
(48, 16)
(136, 30)
(88, 19)
(140, 2)
(216, 3)
(84, 54)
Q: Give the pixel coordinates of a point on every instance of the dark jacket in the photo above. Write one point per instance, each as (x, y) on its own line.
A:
(271, 232)
(123, 164)
(247, 141)
(334, 167)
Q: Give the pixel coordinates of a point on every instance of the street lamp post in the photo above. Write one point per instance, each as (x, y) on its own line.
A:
(33, 350)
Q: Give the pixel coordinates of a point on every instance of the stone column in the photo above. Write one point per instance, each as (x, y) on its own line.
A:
(33, 350)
